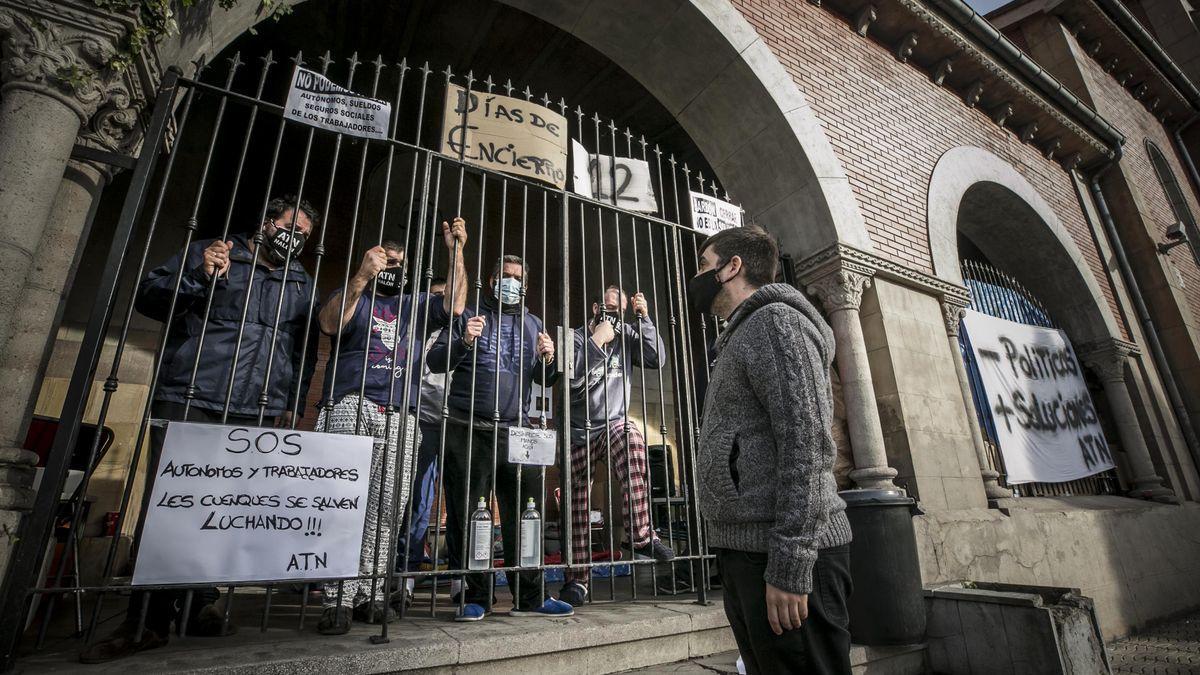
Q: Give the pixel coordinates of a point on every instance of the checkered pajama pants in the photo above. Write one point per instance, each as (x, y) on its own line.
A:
(385, 427)
(625, 440)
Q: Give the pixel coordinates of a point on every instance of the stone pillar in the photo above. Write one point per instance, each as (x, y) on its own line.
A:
(1107, 359)
(54, 82)
(953, 312)
(840, 292)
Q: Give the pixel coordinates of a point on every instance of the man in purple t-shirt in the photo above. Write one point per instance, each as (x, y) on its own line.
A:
(370, 380)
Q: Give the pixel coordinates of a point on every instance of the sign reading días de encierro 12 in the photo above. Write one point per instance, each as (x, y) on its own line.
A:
(235, 503)
(1046, 424)
(505, 134)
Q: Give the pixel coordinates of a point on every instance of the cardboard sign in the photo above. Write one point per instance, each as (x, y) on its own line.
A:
(233, 503)
(532, 446)
(505, 134)
(1045, 421)
(596, 177)
(711, 215)
(315, 101)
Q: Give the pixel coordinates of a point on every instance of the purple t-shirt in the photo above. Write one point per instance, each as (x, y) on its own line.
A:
(379, 330)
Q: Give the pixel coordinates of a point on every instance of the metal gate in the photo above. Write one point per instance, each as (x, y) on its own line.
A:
(574, 248)
(996, 293)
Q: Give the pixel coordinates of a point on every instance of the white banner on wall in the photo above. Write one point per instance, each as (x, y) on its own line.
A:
(711, 215)
(594, 177)
(1045, 420)
(234, 503)
(314, 100)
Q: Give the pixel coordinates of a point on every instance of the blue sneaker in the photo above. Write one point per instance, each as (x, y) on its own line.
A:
(551, 608)
(471, 612)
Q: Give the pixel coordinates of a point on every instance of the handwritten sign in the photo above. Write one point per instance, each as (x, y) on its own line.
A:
(314, 100)
(596, 177)
(1044, 417)
(237, 503)
(711, 215)
(506, 134)
(531, 446)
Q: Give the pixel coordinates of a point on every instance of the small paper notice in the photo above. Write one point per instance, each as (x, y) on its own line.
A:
(531, 446)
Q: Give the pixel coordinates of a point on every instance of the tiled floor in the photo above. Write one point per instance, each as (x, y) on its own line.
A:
(1169, 649)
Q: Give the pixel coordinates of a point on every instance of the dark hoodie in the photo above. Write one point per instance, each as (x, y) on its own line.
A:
(494, 377)
(766, 447)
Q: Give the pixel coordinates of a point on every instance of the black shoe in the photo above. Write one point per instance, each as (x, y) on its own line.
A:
(374, 612)
(209, 622)
(573, 593)
(120, 644)
(655, 549)
(334, 621)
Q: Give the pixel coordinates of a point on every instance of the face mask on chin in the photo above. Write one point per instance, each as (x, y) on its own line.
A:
(507, 290)
(387, 282)
(284, 244)
(703, 290)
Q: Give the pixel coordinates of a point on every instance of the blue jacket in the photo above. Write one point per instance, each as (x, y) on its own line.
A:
(289, 377)
(511, 335)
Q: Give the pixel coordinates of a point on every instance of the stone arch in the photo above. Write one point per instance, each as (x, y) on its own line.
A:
(705, 63)
(984, 197)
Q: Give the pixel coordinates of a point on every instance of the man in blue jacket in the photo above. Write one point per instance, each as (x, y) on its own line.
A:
(372, 380)
(496, 353)
(259, 288)
(605, 352)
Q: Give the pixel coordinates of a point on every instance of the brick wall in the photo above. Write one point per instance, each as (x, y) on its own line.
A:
(1132, 119)
(889, 124)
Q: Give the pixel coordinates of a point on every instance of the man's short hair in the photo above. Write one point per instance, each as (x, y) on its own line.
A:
(439, 279)
(281, 205)
(393, 245)
(755, 246)
(511, 259)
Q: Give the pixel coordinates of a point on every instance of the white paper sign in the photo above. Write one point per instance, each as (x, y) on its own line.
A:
(315, 101)
(1044, 416)
(235, 503)
(593, 176)
(711, 215)
(531, 446)
(541, 403)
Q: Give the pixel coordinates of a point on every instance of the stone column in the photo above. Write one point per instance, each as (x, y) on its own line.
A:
(953, 312)
(54, 82)
(840, 292)
(1107, 359)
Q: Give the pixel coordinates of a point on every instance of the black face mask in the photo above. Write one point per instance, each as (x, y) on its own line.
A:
(387, 282)
(610, 316)
(703, 289)
(284, 244)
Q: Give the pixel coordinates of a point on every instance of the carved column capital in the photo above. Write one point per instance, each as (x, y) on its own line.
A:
(841, 289)
(63, 48)
(1107, 358)
(952, 314)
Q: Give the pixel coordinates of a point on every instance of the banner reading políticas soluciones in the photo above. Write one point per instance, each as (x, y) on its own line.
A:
(1045, 420)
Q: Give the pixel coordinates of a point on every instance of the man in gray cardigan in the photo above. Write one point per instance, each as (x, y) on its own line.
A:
(766, 487)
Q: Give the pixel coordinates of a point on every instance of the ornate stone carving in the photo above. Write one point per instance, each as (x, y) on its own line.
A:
(840, 290)
(840, 256)
(1051, 148)
(974, 93)
(1028, 132)
(943, 68)
(906, 46)
(952, 314)
(1107, 358)
(864, 18)
(1110, 65)
(1072, 161)
(1001, 114)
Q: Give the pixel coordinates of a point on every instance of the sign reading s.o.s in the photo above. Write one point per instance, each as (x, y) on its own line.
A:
(505, 134)
(234, 503)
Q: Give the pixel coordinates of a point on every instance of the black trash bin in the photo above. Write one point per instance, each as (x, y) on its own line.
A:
(888, 606)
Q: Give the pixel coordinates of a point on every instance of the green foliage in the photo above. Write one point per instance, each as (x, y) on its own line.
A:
(156, 20)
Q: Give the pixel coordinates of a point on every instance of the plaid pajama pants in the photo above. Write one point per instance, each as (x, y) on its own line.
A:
(386, 459)
(625, 441)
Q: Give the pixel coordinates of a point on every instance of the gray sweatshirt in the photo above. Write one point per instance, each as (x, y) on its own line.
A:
(766, 451)
(603, 377)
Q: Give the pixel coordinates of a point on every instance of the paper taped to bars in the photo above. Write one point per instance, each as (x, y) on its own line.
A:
(314, 100)
(235, 503)
(1045, 421)
(506, 134)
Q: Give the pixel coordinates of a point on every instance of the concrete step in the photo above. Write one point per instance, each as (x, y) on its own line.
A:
(906, 660)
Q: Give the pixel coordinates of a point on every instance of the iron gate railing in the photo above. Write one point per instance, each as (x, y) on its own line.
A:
(996, 293)
(578, 246)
